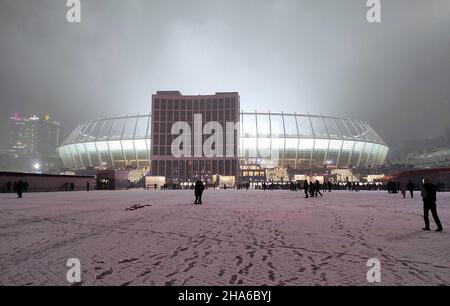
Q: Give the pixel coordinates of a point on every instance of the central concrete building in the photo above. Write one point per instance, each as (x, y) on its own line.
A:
(171, 107)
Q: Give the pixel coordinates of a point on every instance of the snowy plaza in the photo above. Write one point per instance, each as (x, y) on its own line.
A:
(237, 237)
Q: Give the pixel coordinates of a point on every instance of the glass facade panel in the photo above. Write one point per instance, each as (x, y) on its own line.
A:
(290, 125)
(130, 125)
(276, 122)
(320, 152)
(263, 126)
(304, 126)
(333, 130)
(141, 127)
(84, 134)
(357, 152)
(105, 129)
(291, 150)
(249, 126)
(264, 147)
(347, 149)
(319, 127)
(343, 129)
(116, 131)
(333, 154)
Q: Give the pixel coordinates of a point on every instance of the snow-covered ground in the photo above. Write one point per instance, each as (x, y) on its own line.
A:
(235, 238)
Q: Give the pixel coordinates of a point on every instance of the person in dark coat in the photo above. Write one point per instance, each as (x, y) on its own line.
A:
(305, 188)
(87, 186)
(329, 186)
(312, 189)
(19, 189)
(198, 192)
(318, 188)
(410, 187)
(429, 203)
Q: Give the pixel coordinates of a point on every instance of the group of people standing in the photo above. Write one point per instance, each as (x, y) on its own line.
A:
(312, 189)
(396, 187)
(18, 187)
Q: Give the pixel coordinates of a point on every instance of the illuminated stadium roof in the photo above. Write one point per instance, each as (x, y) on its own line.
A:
(303, 141)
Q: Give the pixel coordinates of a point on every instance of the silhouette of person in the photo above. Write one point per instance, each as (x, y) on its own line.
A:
(318, 188)
(410, 187)
(305, 188)
(87, 186)
(198, 192)
(312, 189)
(19, 189)
(429, 203)
(403, 189)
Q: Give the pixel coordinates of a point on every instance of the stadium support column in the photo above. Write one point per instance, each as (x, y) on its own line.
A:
(314, 143)
(107, 142)
(134, 137)
(361, 154)
(121, 138)
(79, 156)
(328, 135)
(257, 137)
(298, 141)
(88, 155)
(351, 154)
(370, 157)
(342, 143)
(284, 142)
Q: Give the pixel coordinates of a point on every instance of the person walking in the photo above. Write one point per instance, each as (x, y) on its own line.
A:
(410, 187)
(198, 192)
(19, 189)
(403, 189)
(318, 188)
(429, 203)
(312, 189)
(87, 186)
(305, 188)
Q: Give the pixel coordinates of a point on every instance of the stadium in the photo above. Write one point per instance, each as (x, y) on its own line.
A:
(302, 141)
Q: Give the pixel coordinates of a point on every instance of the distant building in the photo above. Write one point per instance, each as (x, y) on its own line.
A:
(33, 144)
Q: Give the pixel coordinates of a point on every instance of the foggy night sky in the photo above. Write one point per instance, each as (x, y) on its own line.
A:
(321, 57)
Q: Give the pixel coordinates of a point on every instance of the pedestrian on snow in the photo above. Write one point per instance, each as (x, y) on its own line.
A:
(198, 192)
(429, 203)
(305, 188)
(410, 187)
(318, 188)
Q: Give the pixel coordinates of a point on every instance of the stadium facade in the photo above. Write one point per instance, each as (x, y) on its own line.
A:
(302, 142)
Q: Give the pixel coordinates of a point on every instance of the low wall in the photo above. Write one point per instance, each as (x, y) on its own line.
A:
(44, 182)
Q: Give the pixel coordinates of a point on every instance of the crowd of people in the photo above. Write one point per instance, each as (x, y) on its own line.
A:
(311, 189)
(18, 187)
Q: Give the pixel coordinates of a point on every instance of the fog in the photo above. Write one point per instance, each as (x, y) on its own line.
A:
(321, 57)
